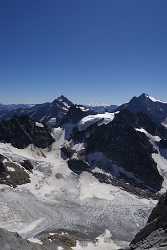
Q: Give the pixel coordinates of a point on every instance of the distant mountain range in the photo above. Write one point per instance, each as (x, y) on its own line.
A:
(56, 110)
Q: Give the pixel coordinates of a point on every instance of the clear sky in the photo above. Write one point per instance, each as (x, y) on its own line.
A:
(92, 51)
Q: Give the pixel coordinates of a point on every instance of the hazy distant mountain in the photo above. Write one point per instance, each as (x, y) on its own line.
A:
(6, 110)
(99, 109)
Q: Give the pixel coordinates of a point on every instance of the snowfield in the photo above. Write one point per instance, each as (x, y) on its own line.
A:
(91, 119)
(57, 198)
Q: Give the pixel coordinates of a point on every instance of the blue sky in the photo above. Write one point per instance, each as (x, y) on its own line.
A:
(92, 51)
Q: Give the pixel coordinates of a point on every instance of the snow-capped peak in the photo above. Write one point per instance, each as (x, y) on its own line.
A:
(64, 99)
(153, 99)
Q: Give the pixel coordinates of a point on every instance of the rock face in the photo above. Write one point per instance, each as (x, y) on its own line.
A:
(78, 166)
(154, 234)
(126, 147)
(22, 131)
(156, 110)
(12, 241)
(45, 241)
(74, 114)
(14, 174)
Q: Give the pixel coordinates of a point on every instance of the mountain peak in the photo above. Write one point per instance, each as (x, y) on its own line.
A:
(154, 108)
(64, 100)
(61, 97)
(150, 98)
(144, 95)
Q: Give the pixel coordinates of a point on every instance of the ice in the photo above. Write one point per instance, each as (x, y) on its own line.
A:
(38, 124)
(90, 188)
(91, 119)
(35, 240)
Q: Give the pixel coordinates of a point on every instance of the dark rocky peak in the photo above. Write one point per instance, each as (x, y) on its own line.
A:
(63, 100)
(155, 109)
(22, 131)
(145, 98)
(45, 111)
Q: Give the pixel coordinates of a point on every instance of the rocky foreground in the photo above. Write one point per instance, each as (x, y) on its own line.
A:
(154, 234)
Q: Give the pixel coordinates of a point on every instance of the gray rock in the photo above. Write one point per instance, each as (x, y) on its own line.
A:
(12, 241)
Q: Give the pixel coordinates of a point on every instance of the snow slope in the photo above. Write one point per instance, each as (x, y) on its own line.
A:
(153, 99)
(57, 198)
(160, 157)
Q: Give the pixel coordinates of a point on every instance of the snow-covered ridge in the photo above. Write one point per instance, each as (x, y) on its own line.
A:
(153, 99)
(152, 138)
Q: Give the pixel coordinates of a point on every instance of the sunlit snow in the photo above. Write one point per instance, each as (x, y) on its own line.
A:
(57, 198)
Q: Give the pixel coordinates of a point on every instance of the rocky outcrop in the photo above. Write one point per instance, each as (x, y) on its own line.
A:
(12, 241)
(75, 114)
(14, 174)
(78, 166)
(22, 131)
(154, 234)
